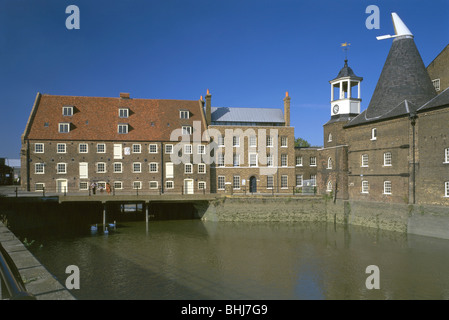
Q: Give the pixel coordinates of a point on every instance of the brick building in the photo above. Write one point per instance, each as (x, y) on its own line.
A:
(439, 72)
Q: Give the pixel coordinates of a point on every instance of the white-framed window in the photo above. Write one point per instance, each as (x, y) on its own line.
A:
(64, 127)
(201, 168)
(153, 167)
(236, 182)
(436, 84)
(365, 160)
(101, 167)
(152, 148)
(284, 182)
(123, 112)
(387, 187)
(137, 148)
(270, 162)
(101, 185)
(122, 128)
(38, 148)
(169, 170)
(299, 161)
(118, 167)
(39, 168)
(153, 185)
(137, 167)
(188, 168)
(253, 159)
(83, 148)
(313, 178)
(329, 137)
(201, 185)
(284, 159)
(387, 159)
(221, 160)
(61, 168)
(253, 141)
(201, 149)
(61, 148)
(221, 141)
(329, 163)
(446, 189)
(101, 148)
(446, 155)
(67, 111)
(270, 182)
(374, 134)
(39, 186)
(313, 161)
(184, 114)
(168, 149)
(284, 142)
(220, 182)
(269, 141)
(187, 130)
(83, 185)
(236, 141)
(299, 180)
(169, 185)
(118, 185)
(118, 151)
(365, 186)
(187, 149)
(137, 185)
(329, 186)
(236, 160)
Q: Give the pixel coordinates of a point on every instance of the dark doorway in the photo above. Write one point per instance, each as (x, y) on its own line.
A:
(253, 184)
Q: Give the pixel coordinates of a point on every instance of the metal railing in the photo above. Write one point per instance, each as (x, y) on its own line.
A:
(11, 286)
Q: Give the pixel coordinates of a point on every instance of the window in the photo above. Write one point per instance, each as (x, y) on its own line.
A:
(61, 148)
(299, 161)
(365, 186)
(446, 189)
(284, 182)
(221, 182)
(221, 160)
(168, 148)
(299, 180)
(153, 184)
(236, 182)
(123, 112)
(186, 130)
(136, 148)
(137, 184)
(64, 127)
(188, 149)
(118, 185)
(122, 128)
(253, 159)
(387, 159)
(436, 84)
(313, 161)
(329, 163)
(235, 141)
(284, 160)
(329, 137)
(446, 155)
(221, 141)
(364, 160)
(201, 149)
(188, 168)
(374, 134)
(387, 187)
(82, 148)
(169, 184)
(284, 142)
(117, 151)
(201, 168)
(270, 181)
(236, 160)
(169, 170)
(270, 160)
(253, 141)
(269, 141)
(67, 111)
(101, 167)
(38, 148)
(39, 186)
(152, 148)
(39, 168)
(61, 168)
(137, 167)
(313, 178)
(101, 148)
(329, 186)
(201, 185)
(153, 167)
(118, 168)
(83, 185)
(184, 114)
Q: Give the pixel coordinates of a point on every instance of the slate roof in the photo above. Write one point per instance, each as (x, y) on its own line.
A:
(440, 100)
(346, 71)
(260, 115)
(97, 118)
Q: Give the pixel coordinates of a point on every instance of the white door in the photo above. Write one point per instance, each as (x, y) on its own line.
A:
(169, 170)
(188, 186)
(83, 170)
(61, 185)
(118, 151)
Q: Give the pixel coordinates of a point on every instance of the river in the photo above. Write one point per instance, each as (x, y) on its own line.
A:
(193, 259)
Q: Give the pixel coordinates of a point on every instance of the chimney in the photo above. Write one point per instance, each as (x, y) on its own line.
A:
(287, 110)
(124, 95)
(208, 108)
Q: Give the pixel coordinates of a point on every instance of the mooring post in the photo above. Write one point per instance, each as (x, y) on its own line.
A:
(147, 208)
(104, 216)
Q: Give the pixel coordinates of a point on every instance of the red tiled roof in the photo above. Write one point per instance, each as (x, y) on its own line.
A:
(96, 118)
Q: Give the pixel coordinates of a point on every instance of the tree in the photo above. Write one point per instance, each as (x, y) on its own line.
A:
(299, 142)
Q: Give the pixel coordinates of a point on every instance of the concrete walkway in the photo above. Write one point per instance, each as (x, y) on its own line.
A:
(36, 277)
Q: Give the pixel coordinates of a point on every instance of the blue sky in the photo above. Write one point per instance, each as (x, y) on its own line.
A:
(247, 52)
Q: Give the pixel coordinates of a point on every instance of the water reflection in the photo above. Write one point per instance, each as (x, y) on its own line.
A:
(192, 259)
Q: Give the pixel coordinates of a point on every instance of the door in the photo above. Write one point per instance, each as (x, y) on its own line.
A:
(252, 184)
(188, 186)
(118, 151)
(84, 171)
(61, 185)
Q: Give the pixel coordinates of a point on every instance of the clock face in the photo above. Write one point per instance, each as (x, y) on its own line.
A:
(336, 108)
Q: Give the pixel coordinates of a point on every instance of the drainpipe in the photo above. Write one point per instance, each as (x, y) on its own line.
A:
(413, 117)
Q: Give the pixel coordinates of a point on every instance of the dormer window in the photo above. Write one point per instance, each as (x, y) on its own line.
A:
(184, 114)
(123, 112)
(64, 127)
(122, 128)
(67, 111)
(186, 130)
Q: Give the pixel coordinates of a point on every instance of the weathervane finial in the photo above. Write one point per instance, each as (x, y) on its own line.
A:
(345, 47)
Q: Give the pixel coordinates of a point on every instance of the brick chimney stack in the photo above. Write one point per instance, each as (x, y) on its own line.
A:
(124, 95)
(208, 108)
(287, 109)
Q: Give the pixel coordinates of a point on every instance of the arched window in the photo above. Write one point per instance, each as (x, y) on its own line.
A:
(329, 186)
(329, 138)
(329, 163)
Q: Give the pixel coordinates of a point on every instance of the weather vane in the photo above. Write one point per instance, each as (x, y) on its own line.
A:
(345, 47)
